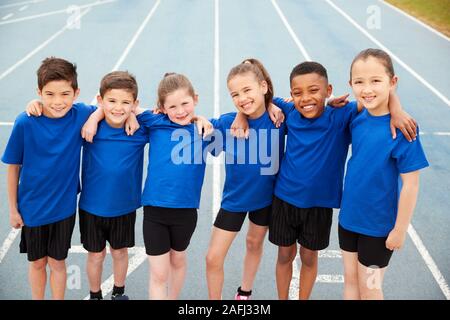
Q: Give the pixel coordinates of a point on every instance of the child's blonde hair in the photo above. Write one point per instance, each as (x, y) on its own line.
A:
(170, 83)
(256, 67)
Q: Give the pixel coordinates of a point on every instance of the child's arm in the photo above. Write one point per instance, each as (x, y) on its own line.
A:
(400, 119)
(406, 204)
(203, 125)
(338, 102)
(131, 125)
(89, 129)
(34, 108)
(276, 115)
(15, 219)
(239, 128)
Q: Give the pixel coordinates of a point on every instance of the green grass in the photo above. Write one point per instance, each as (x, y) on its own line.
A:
(435, 13)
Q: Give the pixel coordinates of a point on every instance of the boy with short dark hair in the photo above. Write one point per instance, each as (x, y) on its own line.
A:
(43, 154)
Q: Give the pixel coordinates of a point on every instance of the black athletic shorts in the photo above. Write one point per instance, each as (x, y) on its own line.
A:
(310, 227)
(52, 240)
(372, 251)
(96, 230)
(168, 228)
(233, 221)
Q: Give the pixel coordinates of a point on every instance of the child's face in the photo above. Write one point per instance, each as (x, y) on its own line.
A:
(117, 105)
(371, 83)
(309, 92)
(179, 106)
(248, 94)
(57, 98)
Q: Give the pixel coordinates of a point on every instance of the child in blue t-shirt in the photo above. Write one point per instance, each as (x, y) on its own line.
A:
(112, 183)
(43, 157)
(172, 189)
(376, 209)
(251, 166)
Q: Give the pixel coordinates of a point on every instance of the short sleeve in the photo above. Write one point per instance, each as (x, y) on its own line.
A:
(216, 144)
(14, 149)
(148, 118)
(347, 113)
(409, 156)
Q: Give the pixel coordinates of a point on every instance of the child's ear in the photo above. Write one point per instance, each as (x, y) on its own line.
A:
(264, 86)
(394, 82)
(195, 99)
(99, 100)
(39, 92)
(77, 93)
(135, 105)
(329, 90)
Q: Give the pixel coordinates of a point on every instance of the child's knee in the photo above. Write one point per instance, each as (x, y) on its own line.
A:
(57, 265)
(309, 258)
(159, 275)
(214, 261)
(254, 244)
(178, 260)
(119, 254)
(97, 257)
(39, 264)
(286, 255)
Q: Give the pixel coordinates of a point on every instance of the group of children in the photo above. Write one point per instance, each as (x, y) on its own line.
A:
(288, 175)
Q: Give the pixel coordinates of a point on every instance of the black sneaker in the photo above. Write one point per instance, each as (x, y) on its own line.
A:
(119, 296)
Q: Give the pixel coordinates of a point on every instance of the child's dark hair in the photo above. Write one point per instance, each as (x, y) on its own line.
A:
(308, 67)
(56, 69)
(170, 83)
(119, 80)
(256, 67)
(379, 54)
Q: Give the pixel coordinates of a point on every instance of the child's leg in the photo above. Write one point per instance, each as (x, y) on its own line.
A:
(351, 286)
(159, 276)
(94, 268)
(308, 272)
(219, 245)
(254, 242)
(286, 256)
(120, 265)
(58, 277)
(38, 278)
(370, 281)
(178, 263)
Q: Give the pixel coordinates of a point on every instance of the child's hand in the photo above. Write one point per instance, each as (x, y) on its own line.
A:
(34, 108)
(157, 110)
(131, 125)
(15, 219)
(239, 127)
(288, 99)
(405, 123)
(276, 115)
(395, 239)
(203, 126)
(89, 130)
(338, 102)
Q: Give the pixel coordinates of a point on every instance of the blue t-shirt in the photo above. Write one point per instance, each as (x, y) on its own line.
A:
(176, 165)
(48, 149)
(371, 191)
(251, 165)
(112, 171)
(312, 170)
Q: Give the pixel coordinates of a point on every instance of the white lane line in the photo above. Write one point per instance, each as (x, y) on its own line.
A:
(6, 124)
(330, 278)
(393, 56)
(23, 8)
(291, 32)
(132, 42)
(133, 263)
(9, 15)
(46, 14)
(216, 160)
(20, 3)
(429, 261)
(41, 46)
(436, 32)
(8, 242)
(335, 254)
(441, 133)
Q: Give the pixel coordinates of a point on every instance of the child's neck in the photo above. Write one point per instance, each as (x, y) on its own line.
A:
(380, 110)
(258, 113)
(114, 125)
